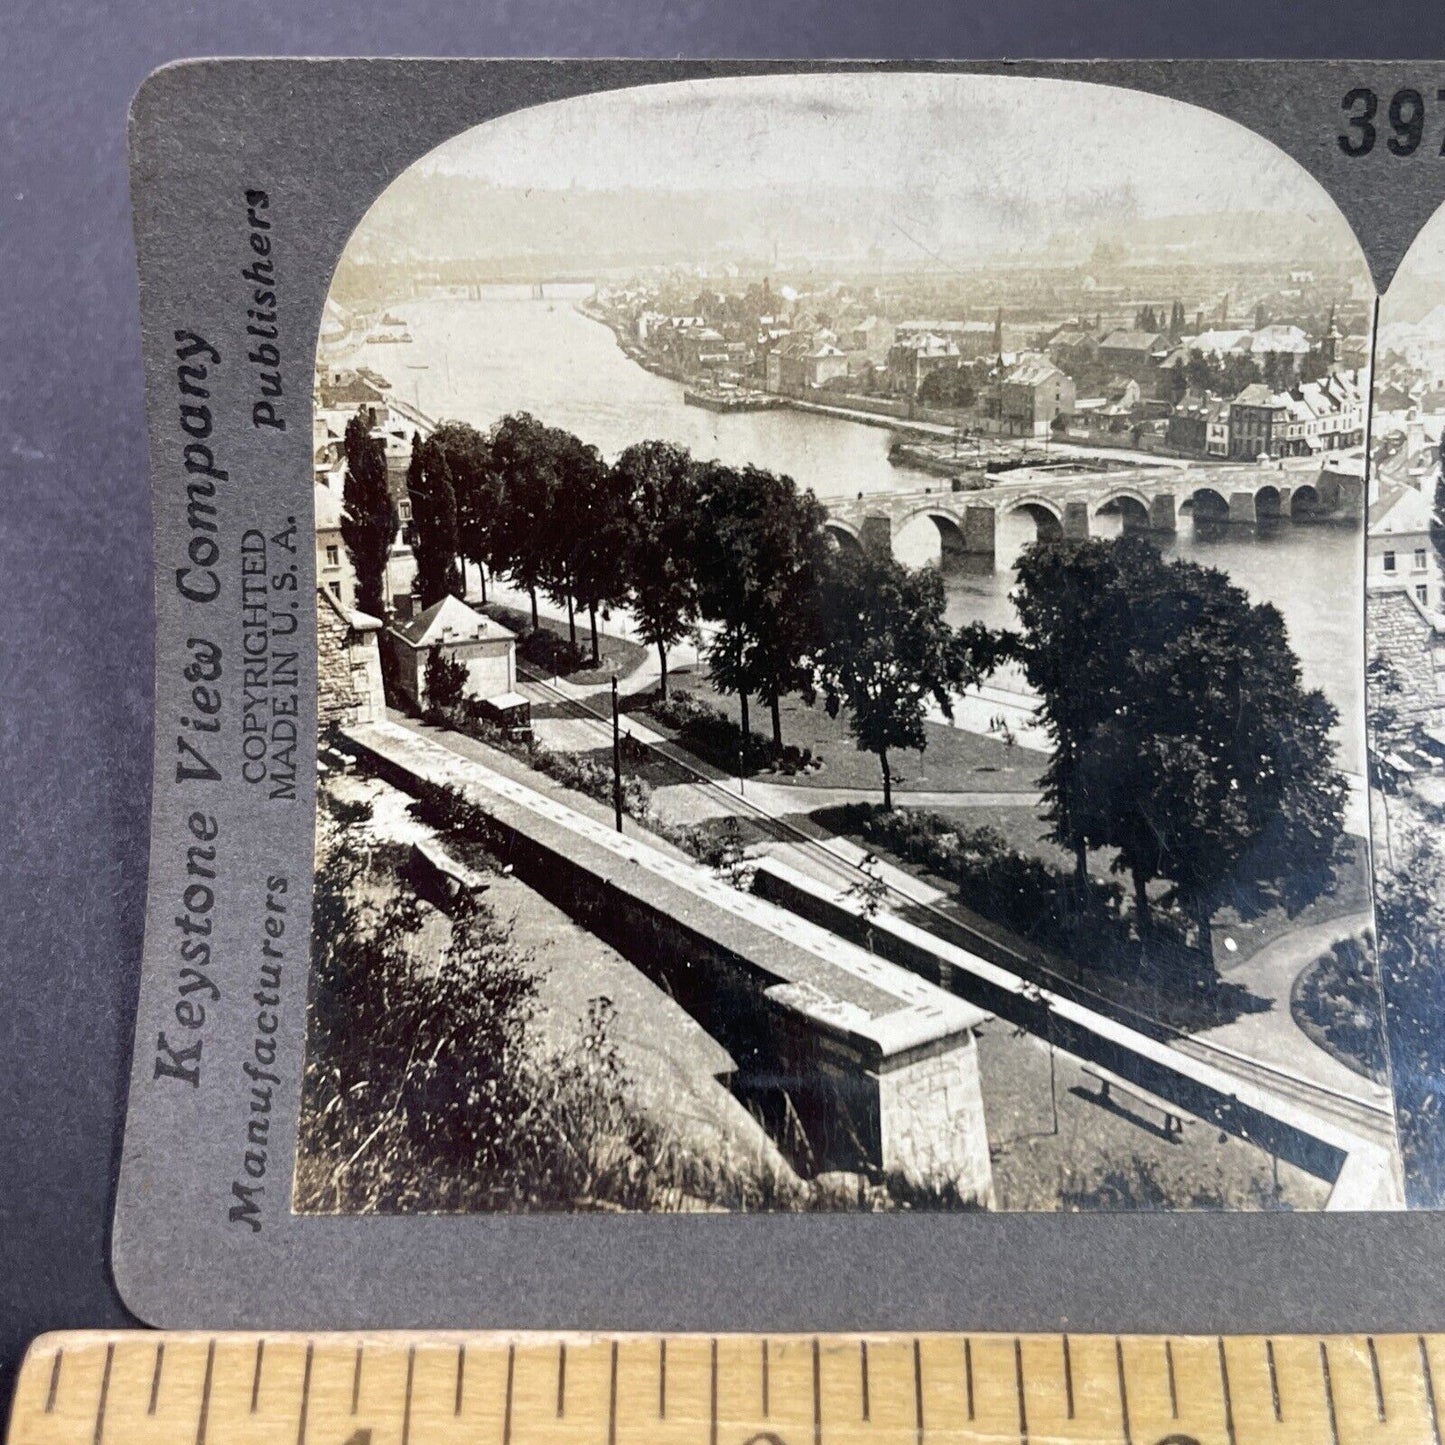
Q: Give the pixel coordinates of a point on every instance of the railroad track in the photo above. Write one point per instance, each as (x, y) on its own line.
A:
(1356, 1113)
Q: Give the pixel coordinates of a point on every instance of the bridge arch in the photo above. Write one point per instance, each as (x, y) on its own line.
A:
(1268, 503)
(952, 547)
(1305, 501)
(1047, 518)
(843, 536)
(1131, 507)
(1207, 505)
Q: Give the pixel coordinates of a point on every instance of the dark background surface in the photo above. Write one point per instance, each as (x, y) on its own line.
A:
(76, 656)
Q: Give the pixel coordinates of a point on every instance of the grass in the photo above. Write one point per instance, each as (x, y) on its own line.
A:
(955, 760)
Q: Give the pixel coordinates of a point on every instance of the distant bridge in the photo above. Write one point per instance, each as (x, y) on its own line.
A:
(1063, 503)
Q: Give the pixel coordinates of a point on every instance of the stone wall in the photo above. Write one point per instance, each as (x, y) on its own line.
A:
(931, 1108)
(348, 666)
(1398, 629)
(893, 1087)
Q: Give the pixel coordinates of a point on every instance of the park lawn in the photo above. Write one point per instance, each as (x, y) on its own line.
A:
(620, 655)
(955, 760)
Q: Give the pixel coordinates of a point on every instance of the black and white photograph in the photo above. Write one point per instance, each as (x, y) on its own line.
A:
(841, 664)
(1405, 677)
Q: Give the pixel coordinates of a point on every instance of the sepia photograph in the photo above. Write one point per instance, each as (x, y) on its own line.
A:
(842, 666)
(1405, 672)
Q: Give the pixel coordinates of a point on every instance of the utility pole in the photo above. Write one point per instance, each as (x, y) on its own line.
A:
(616, 757)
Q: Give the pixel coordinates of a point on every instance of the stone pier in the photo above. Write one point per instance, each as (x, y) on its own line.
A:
(1162, 516)
(876, 535)
(1076, 521)
(979, 526)
(1242, 509)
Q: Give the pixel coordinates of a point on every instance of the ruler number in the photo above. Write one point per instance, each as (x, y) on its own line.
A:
(1404, 117)
(359, 1437)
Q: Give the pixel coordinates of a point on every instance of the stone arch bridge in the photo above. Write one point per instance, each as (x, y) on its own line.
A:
(1065, 502)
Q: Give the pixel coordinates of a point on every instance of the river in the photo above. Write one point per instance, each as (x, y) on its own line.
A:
(477, 360)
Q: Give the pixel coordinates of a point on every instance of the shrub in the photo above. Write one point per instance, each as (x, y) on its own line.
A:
(444, 680)
(1336, 1000)
(571, 770)
(713, 735)
(550, 652)
(1023, 893)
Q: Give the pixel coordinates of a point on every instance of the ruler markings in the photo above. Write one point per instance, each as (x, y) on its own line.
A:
(507, 1408)
(1273, 1379)
(203, 1421)
(1228, 1398)
(712, 1393)
(129, 1384)
(205, 1395)
(1428, 1379)
(612, 1397)
(156, 1379)
(917, 1391)
(1123, 1390)
(1329, 1392)
(817, 1391)
(1019, 1385)
(54, 1389)
(104, 1393)
(765, 1380)
(305, 1394)
(1375, 1375)
(255, 1374)
(406, 1400)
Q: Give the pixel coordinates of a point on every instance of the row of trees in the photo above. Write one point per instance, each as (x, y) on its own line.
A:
(1184, 740)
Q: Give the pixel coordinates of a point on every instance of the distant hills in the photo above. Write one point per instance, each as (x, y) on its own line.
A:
(446, 217)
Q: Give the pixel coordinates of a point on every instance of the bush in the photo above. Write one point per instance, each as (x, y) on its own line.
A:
(1336, 1001)
(444, 681)
(1025, 894)
(713, 735)
(545, 650)
(571, 770)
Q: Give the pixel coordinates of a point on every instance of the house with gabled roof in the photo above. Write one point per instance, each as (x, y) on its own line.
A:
(486, 648)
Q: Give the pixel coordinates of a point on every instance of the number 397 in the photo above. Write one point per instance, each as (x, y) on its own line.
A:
(1404, 117)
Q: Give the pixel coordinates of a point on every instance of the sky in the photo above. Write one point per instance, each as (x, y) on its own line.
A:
(913, 162)
(902, 131)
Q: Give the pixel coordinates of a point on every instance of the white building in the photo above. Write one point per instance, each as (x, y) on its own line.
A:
(486, 648)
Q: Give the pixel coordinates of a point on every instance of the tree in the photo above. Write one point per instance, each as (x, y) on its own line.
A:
(948, 387)
(478, 492)
(433, 523)
(883, 650)
(444, 681)
(760, 551)
(1185, 738)
(592, 527)
(658, 485)
(368, 514)
(524, 534)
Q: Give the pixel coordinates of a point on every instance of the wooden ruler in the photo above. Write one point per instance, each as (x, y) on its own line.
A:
(137, 1388)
